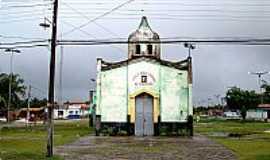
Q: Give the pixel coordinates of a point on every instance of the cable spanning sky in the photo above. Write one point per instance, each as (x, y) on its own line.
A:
(216, 67)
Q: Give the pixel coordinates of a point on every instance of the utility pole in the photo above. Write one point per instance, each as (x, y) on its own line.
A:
(28, 105)
(259, 74)
(61, 79)
(10, 85)
(190, 47)
(12, 51)
(50, 104)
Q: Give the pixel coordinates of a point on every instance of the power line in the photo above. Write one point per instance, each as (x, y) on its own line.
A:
(24, 42)
(87, 33)
(104, 28)
(19, 37)
(197, 41)
(25, 6)
(22, 11)
(129, 15)
(265, 20)
(100, 16)
(14, 18)
(82, 31)
(21, 20)
(233, 41)
(86, 17)
(162, 11)
(24, 46)
(232, 3)
(7, 15)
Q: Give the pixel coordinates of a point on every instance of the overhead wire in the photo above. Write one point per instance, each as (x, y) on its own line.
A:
(87, 18)
(98, 17)
(210, 19)
(24, 42)
(20, 37)
(20, 20)
(120, 13)
(104, 28)
(24, 6)
(24, 46)
(87, 33)
(24, 11)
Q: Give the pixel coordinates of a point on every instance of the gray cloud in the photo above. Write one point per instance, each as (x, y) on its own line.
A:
(215, 67)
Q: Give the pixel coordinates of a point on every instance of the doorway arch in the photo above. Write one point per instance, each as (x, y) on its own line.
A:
(131, 104)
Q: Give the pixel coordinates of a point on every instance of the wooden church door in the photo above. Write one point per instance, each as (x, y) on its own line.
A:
(144, 125)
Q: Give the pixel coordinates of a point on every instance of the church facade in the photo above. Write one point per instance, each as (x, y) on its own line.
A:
(143, 94)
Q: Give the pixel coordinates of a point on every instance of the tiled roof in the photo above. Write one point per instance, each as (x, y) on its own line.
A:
(264, 106)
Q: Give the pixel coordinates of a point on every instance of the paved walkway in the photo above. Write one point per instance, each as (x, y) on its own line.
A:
(144, 148)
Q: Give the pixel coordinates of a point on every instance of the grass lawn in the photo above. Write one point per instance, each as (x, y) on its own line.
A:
(251, 142)
(25, 144)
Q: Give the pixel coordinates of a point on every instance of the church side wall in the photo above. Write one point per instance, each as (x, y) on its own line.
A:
(113, 101)
(174, 93)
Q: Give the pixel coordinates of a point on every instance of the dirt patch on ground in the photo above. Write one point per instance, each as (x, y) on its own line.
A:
(144, 148)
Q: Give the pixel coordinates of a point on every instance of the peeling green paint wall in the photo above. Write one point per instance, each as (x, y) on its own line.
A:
(114, 87)
(113, 95)
(173, 93)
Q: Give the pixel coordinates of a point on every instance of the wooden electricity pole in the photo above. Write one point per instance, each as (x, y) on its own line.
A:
(28, 105)
(50, 104)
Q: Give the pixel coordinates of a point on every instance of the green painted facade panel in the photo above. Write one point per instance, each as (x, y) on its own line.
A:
(136, 70)
(173, 94)
(113, 95)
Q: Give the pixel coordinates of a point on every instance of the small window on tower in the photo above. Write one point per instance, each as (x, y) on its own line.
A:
(144, 79)
(149, 49)
(138, 49)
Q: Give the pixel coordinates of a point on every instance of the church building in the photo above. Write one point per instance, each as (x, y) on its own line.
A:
(144, 94)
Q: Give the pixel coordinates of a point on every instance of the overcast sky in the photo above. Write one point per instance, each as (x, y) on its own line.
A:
(215, 67)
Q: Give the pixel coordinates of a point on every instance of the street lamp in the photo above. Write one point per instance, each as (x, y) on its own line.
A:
(259, 74)
(12, 51)
(46, 23)
(190, 47)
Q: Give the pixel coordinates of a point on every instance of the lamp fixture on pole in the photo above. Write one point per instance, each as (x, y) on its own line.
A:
(190, 47)
(260, 74)
(46, 23)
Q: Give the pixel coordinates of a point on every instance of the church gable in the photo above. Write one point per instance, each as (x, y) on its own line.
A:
(181, 65)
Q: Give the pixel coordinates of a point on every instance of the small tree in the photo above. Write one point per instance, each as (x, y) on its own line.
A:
(17, 88)
(242, 100)
(266, 94)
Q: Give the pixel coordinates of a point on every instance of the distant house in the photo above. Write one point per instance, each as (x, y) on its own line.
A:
(72, 110)
(262, 112)
(37, 113)
(215, 112)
